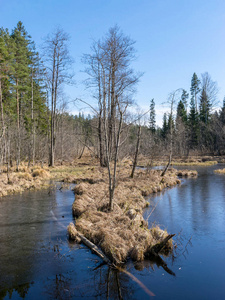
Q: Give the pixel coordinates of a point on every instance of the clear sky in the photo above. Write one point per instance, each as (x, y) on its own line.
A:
(174, 38)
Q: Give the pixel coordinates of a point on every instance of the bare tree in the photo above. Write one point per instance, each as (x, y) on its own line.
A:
(210, 88)
(58, 65)
(114, 82)
(171, 102)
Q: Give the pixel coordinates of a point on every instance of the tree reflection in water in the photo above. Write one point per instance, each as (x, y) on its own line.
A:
(21, 290)
(104, 282)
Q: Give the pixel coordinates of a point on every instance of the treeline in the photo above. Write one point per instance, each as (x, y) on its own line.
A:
(35, 125)
(194, 122)
(31, 101)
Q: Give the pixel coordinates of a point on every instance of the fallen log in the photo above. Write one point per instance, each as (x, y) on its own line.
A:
(153, 254)
(167, 166)
(158, 247)
(94, 248)
(75, 235)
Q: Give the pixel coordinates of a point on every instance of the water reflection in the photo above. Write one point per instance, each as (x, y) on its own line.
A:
(20, 290)
(37, 260)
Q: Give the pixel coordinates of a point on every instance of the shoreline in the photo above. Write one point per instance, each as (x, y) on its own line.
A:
(122, 233)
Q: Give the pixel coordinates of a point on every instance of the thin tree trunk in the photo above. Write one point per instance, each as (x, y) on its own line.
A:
(3, 125)
(136, 152)
(167, 166)
(51, 156)
(113, 180)
(101, 156)
(18, 127)
(32, 119)
(1, 104)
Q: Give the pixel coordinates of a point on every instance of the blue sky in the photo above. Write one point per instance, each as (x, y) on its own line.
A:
(174, 38)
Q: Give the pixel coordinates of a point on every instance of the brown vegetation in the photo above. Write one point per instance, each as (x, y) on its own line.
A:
(123, 232)
(187, 173)
(27, 178)
(220, 171)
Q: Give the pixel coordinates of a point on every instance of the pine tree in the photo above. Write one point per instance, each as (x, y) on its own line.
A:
(184, 99)
(22, 59)
(195, 89)
(152, 121)
(170, 123)
(165, 126)
(222, 113)
(181, 112)
(193, 124)
(5, 95)
(204, 107)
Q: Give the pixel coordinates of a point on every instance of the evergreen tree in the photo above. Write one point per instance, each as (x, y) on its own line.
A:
(22, 59)
(195, 89)
(5, 95)
(204, 107)
(170, 123)
(193, 124)
(181, 112)
(165, 126)
(6, 69)
(184, 99)
(152, 122)
(222, 113)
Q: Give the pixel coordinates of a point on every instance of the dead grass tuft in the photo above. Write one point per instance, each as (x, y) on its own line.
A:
(73, 234)
(220, 171)
(40, 173)
(123, 232)
(24, 175)
(187, 173)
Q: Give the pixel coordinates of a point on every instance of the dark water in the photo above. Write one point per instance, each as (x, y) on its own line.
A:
(38, 262)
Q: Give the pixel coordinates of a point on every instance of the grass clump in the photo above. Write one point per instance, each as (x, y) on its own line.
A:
(187, 173)
(220, 171)
(122, 233)
(26, 178)
(39, 172)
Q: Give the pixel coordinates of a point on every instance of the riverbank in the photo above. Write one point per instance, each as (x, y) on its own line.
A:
(123, 232)
(120, 234)
(203, 161)
(25, 179)
(38, 177)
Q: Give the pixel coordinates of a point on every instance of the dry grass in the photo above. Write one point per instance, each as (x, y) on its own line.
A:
(26, 178)
(123, 232)
(187, 173)
(36, 177)
(220, 171)
(40, 173)
(179, 161)
(194, 163)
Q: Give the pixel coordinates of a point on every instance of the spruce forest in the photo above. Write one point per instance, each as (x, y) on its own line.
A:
(37, 127)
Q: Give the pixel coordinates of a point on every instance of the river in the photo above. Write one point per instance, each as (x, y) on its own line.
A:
(38, 262)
